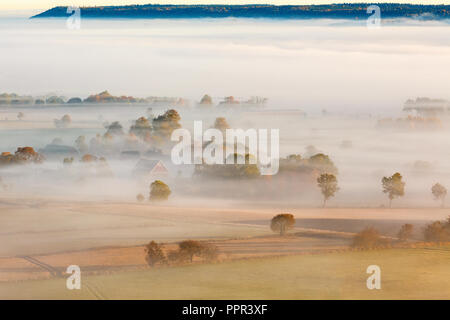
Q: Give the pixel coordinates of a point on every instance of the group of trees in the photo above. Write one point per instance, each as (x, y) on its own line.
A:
(437, 231)
(91, 165)
(316, 163)
(393, 186)
(145, 131)
(246, 170)
(22, 155)
(305, 11)
(187, 251)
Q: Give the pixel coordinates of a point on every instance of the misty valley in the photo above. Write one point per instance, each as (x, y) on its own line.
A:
(225, 158)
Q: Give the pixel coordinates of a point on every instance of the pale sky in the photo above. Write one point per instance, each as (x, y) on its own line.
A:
(47, 4)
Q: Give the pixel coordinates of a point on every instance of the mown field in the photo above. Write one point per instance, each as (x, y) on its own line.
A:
(405, 274)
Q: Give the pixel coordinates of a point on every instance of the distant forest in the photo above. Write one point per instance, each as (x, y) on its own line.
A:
(332, 11)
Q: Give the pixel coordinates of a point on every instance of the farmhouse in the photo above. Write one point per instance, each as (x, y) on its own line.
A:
(152, 169)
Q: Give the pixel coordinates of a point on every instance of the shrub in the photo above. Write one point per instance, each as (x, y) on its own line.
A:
(369, 238)
(189, 249)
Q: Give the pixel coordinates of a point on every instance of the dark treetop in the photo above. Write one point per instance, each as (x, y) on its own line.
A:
(331, 11)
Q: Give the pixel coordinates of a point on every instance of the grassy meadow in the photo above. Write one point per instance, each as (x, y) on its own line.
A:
(416, 273)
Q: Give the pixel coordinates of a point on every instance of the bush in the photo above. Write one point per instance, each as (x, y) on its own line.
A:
(140, 197)
(369, 238)
(189, 249)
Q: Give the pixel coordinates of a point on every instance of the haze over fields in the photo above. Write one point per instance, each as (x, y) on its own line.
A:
(295, 63)
(79, 165)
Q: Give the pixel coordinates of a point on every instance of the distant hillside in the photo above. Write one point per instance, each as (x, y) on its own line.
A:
(333, 11)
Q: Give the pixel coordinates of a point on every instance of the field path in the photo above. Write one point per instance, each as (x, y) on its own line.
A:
(53, 271)
(57, 274)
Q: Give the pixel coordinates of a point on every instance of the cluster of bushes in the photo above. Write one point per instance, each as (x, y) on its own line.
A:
(369, 238)
(187, 251)
(438, 231)
(144, 132)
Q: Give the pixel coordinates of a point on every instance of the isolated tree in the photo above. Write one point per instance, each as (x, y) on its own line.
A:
(393, 186)
(439, 192)
(405, 232)
(282, 222)
(221, 124)
(206, 100)
(159, 191)
(328, 186)
(154, 254)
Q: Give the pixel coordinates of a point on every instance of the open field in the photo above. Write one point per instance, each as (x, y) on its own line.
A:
(120, 259)
(33, 226)
(405, 274)
(41, 237)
